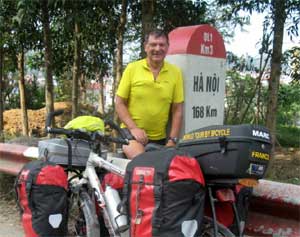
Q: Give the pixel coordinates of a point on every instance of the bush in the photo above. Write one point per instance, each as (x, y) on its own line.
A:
(288, 136)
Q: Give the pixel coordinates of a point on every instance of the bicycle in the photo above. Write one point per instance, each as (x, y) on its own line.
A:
(95, 218)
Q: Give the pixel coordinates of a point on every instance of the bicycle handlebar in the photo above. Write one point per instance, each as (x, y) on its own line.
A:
(81, 134)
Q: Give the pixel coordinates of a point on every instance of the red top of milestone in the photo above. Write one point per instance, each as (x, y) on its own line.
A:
(201, 40)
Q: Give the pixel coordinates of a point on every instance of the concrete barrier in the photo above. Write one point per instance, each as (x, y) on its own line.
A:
(13, 157)
(274, 208)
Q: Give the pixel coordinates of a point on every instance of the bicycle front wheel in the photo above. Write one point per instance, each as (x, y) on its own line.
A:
(88, 226)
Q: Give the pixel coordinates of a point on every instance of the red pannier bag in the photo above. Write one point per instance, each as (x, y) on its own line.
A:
(41, 190)
(163, 194)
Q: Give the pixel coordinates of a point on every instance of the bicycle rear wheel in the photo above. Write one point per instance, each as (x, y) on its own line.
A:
(87, 224)
(208, 229)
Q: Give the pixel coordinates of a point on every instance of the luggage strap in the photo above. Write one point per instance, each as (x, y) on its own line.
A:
(157, 217)
(17, 185)
(122, 207)
(223, 144)
(139, 213)
(69, 154)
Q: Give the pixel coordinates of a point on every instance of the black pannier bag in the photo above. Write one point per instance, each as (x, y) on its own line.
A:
(66, 152)
(41, 190)
(163, 194)
(233, 151)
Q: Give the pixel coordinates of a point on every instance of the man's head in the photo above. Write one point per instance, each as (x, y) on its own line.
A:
(156, 46)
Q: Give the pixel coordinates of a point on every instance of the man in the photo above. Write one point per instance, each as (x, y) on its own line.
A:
(148, 90)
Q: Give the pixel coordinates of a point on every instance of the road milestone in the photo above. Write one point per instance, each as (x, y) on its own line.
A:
(200, 53)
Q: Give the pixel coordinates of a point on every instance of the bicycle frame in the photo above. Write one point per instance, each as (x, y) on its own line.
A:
(90, 176)
(91, 179)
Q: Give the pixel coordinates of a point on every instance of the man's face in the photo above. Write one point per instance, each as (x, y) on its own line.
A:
(156, 48)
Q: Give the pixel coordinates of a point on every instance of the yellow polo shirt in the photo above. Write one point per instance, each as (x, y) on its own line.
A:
(149, 100)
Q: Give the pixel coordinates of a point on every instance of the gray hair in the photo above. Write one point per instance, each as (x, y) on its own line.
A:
(156, 33)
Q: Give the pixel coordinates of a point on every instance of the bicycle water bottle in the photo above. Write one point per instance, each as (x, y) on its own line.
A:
(112, 200)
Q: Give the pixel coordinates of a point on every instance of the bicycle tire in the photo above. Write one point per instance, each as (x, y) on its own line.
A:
(208, 229)
(89, 215)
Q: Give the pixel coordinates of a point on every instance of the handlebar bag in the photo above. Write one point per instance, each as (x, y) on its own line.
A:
(163, 194)
(65, 152)
(41, 190)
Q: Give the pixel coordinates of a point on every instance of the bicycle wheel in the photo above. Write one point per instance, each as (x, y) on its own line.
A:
(208, 229)
(87, 224)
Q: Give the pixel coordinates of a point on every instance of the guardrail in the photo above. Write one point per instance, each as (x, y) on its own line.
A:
(274, 208)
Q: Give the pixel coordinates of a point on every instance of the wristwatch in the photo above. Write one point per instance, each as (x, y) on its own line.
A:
(174, 139)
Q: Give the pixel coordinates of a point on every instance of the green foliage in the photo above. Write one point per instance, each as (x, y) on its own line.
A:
(288, 105)
(35, 97)
(62, 90)
(291, 64)
(187, 13)
(288, 136)
(240, 106)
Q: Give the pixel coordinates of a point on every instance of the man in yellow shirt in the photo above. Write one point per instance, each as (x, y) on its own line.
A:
(148, 90)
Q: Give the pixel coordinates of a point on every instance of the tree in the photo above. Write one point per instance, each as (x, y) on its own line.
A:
(6, 9)
(240, 90)
(279, 14)
(22, 91)
(1, 96)
(279, 11)
(48, 56)
(147, 21)
(23, 33)
(76, 66)
(119, 52)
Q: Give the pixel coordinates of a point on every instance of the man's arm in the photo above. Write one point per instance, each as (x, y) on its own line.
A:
(177, 114)
(123, 113)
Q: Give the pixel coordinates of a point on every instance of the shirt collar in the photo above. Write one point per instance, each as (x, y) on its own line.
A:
(164, 68)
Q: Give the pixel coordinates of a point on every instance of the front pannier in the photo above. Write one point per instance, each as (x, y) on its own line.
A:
(41, 190)
(164, 194)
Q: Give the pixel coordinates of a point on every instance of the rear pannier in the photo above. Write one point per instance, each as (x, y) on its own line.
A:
(164, 194)
(41, 189)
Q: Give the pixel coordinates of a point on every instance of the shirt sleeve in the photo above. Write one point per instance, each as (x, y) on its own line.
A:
(178, 90)
(124, 86)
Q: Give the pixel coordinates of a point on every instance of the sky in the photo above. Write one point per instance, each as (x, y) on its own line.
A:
(245, 41)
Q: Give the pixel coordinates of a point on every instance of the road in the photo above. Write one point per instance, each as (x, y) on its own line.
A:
(10, 225)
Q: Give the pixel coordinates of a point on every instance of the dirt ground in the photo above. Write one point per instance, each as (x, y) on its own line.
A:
(10, 222)
(285, 166)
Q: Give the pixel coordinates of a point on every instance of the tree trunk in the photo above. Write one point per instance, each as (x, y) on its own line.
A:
(147, 21)
(119, 53)
(83, 88)
(101, 101)
(48, 58)
(25, 129)
(256, 90)
(76, 70)
(1, 97)
(279, 17)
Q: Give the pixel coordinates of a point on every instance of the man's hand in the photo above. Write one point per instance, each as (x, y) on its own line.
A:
(139, 135)
(170, 143)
